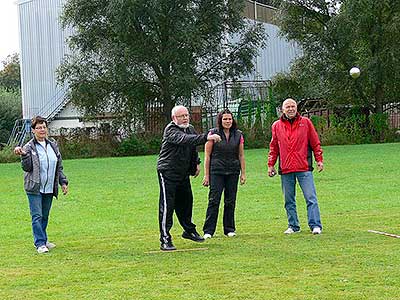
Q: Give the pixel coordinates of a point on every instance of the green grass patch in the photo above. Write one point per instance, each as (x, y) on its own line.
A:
(108, 223)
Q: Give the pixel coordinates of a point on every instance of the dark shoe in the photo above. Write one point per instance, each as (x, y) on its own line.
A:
(167, 246)
(194, 236)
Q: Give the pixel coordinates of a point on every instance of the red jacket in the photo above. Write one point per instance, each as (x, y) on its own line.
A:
(293, 143)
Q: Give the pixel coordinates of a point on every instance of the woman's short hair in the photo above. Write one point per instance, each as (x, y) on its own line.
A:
(38, 120)
(219, 119)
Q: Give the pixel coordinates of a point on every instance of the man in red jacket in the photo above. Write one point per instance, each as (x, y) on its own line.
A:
(294, 138)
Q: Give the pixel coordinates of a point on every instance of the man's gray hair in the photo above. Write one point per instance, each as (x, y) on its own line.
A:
(289, 100)
(175, 108)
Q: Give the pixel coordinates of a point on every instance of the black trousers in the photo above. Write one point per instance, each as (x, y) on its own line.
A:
(175, 195)
(218, 184)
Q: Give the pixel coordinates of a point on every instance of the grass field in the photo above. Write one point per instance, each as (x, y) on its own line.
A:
(106, 227)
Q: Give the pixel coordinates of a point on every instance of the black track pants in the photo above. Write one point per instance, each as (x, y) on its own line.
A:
(174, 196)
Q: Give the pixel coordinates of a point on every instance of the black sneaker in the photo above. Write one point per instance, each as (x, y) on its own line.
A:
(167, 246)
(194, 236)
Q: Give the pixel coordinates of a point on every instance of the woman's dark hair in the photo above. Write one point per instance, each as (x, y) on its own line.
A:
(219, 119)
(38, 120)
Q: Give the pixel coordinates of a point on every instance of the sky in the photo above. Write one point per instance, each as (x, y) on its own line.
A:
(9, 40)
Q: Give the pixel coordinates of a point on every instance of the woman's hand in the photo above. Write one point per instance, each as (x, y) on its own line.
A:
(64, 188)
(19, 151)
(206, 180)
(242, 178)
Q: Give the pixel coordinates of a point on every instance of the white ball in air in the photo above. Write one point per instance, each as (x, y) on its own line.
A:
(355, 72)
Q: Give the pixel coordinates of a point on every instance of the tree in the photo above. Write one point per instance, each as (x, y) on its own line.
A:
(10, 110)
(10, 75)
(126, 53)
(337, 35)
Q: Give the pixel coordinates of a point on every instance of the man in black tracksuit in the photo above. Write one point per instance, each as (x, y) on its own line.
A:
(178, 159)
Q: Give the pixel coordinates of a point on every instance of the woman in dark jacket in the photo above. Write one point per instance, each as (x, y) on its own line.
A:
(224, 163)
(41, 160)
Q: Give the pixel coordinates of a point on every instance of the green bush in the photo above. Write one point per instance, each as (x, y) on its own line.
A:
(320, 123)
(10, 110)
(139, 145)
(256, 136)
(84, 146)
(354, 128)
(7, 155)
(87, 148)
(86, 143)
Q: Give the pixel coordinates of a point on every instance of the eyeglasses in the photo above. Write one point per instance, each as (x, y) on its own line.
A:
(183, 116)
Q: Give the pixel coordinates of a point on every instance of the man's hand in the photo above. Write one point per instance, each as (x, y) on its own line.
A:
(320, 166)
(271, 171)
(19, 151)
(214, 137)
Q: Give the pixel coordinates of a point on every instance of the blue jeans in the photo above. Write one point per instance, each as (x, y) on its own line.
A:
(40, 208)
(306, 181)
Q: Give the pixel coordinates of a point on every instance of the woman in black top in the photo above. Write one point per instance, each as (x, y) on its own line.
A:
(224, 163)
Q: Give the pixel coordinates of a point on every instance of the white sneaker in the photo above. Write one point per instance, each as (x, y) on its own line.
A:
(290, 231)
(42, 249)
(231, 234)
(50, 245)
(316, 230)
(207, 236)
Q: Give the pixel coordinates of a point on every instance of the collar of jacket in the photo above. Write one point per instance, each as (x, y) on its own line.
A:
(35, 141)
(286, 119)
(221, 130)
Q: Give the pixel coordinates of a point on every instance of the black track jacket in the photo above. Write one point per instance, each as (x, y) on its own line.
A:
(178, 156)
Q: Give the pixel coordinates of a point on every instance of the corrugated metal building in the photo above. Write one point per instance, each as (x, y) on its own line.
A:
(279, 53)
(43, 46)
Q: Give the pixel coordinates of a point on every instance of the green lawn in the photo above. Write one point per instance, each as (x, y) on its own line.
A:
(106, 226)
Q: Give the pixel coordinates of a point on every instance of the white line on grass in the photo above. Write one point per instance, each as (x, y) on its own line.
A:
(178, 250)
(385, 233)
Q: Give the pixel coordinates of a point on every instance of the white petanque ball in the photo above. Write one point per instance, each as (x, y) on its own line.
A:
(355, 72)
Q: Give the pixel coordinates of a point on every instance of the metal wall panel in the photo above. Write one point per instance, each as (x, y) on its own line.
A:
(42, 49)
(275, 57)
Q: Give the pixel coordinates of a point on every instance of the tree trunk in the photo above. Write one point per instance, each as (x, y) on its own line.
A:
(167, 100)
(168, 104)
(379, 95)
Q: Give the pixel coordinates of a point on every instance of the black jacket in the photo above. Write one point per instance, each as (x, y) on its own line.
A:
(178, 156)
